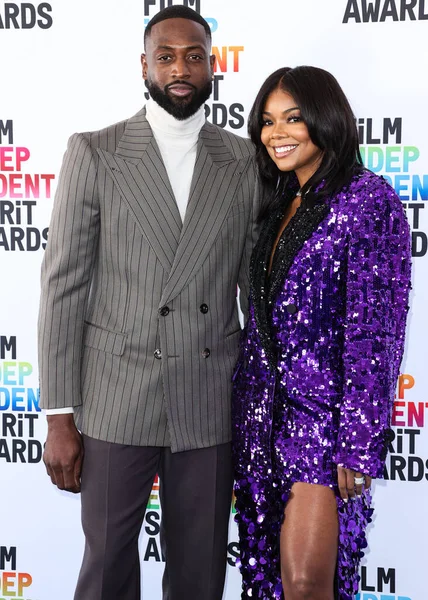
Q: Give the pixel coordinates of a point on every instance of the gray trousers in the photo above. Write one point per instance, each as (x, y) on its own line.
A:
(195, 495)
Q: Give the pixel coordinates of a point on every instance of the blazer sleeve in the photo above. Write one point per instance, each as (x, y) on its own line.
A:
(377, 291)
(65, 278)
(253, 231)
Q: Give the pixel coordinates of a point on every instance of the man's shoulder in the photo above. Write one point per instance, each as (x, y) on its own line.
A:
(108, 137)
(240, 147)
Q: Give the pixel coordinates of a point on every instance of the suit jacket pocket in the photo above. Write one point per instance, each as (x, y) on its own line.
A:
(112, 342)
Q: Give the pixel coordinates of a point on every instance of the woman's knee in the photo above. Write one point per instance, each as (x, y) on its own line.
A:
(305, 585)
(308, 543)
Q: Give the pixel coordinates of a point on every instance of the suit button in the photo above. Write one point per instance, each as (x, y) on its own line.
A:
(291, 309)
(206, 353)
(164, 311)
(204, 309)
(157, 354)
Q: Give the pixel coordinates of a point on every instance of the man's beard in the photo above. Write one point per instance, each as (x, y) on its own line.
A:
(179, 108)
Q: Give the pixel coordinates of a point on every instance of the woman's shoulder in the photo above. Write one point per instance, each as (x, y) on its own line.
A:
(369, 193)
(365, 181)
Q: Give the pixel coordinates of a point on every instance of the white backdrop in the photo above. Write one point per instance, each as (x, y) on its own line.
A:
(73, 65)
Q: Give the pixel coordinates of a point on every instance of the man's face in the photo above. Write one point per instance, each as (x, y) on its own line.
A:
(177, 66)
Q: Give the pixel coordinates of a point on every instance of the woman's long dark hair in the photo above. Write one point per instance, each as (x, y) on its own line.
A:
(331, 126)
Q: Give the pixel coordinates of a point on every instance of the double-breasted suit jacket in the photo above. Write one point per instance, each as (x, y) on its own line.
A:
(138, 326)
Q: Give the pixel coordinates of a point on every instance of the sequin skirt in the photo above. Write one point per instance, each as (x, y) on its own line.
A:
(298, 448)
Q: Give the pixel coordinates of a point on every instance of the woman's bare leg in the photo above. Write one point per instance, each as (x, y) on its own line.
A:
(309, 538)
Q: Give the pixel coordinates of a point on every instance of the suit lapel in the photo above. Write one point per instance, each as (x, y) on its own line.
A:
(215, 179)
(299, 230)
(140, 175)
(141, 178)
(263, 288)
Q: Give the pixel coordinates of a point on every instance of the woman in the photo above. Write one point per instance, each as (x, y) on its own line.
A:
(315, 381)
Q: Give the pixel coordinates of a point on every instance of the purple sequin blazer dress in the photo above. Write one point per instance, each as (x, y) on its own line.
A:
(320, 356)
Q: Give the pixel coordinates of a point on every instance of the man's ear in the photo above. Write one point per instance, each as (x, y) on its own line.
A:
(144, 65)
(212, 63)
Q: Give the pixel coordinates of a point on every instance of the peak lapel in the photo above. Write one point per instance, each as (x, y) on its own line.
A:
(135, 139)
(215, 179)
(140, 175)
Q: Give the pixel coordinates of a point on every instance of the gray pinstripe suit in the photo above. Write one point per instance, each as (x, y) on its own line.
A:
(138, 331)
(117, 254)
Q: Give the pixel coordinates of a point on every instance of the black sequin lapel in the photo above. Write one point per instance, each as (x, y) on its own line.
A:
(264, 289)
(259, 273)
(300, 228)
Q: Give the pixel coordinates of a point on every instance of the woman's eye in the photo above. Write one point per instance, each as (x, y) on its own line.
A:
(266, 122)
(294, 119)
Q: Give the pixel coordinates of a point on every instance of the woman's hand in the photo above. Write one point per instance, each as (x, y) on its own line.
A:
(351, 483)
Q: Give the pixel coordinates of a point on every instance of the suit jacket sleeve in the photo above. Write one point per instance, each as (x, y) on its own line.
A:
(66, 272)
(377, 290)
(253, 230)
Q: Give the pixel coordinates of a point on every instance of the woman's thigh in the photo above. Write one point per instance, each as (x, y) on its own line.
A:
(309, 537)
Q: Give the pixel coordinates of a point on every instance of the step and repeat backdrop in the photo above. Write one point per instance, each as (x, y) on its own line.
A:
(73, 65)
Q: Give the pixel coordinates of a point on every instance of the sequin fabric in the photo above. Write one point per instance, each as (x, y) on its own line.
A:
(315, 380)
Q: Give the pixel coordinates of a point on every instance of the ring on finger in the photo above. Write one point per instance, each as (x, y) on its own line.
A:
(359, 480)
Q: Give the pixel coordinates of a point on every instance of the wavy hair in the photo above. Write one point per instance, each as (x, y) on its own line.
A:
(331, 125)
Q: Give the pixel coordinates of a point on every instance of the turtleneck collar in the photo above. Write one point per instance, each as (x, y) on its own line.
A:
(161, 121)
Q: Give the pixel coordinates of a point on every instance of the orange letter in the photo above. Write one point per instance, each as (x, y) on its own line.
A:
(220, 61)
(7, 583)
(24, 581)
(236, 50)
(405, 382)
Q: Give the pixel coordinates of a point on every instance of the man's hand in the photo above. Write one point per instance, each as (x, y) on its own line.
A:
(63, 453)
(351, 483)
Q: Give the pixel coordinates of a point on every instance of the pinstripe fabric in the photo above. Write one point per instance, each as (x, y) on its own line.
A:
(117, 253)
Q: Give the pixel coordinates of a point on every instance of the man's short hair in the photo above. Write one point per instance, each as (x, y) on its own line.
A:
(177, 12)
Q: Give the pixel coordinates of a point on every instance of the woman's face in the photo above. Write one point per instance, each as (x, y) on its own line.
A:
(286, 137)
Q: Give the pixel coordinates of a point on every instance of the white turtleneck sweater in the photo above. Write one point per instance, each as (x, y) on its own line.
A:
(177, 141)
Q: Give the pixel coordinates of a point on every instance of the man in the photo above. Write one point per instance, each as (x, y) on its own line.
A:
(152, 228)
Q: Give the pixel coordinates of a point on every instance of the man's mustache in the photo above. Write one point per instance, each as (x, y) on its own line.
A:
(179, 82)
